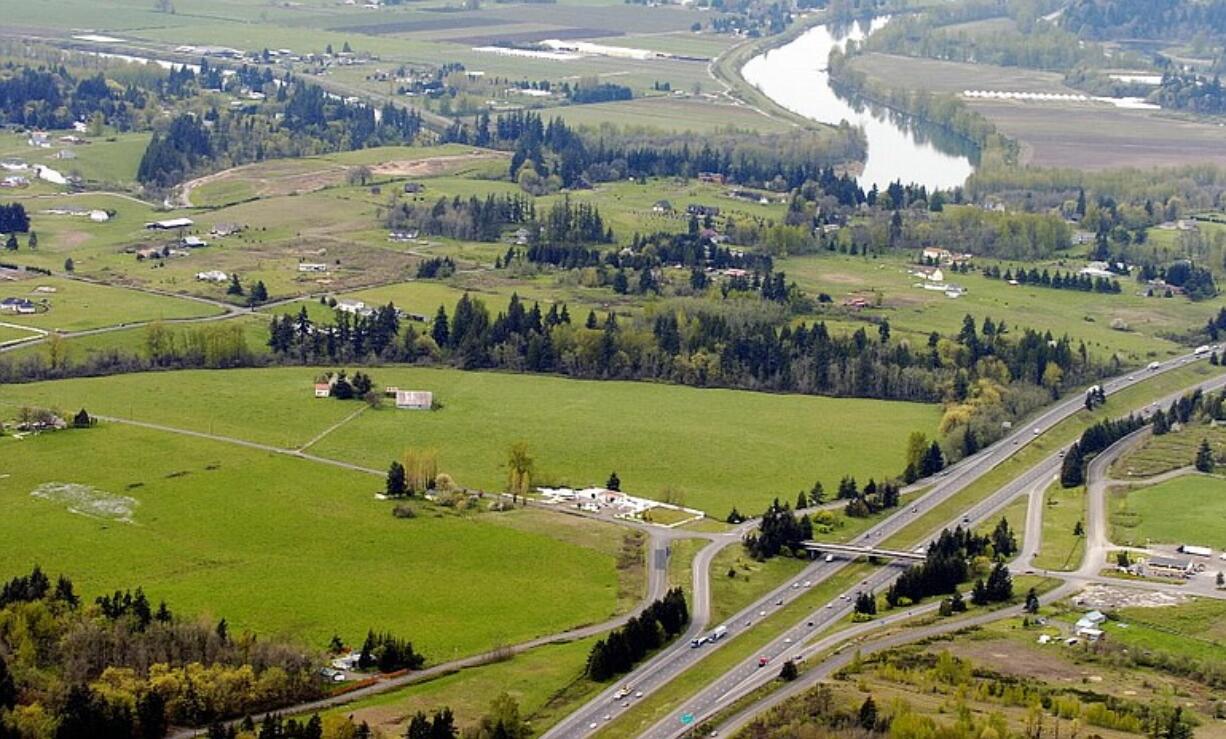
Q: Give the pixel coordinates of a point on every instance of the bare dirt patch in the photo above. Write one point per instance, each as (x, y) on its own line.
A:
(87, 500)
(1111, 597)
(433, 166)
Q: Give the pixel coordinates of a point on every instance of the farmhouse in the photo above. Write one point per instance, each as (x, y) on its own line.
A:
(312, 267)
(212, 275)
(193, 242)
(416, 400)
(931, 274)
(323, 389)
(170, 224)
(954, 291)
(17, 305)
(221, 230)
(354, 307)
(697, 209)
(662, 206)
(714, 178)
(1097, 269)
(937, 254)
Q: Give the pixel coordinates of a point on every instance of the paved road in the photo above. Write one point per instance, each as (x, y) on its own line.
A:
(1033, 483)
(680, 657)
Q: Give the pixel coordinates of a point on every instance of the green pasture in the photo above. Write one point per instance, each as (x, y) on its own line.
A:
(1186, 510)
(77, 305)
(715, 448)
(283, 545)
(1060, 549)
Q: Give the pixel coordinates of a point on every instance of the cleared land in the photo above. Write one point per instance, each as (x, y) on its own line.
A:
(283, 545)
(73, 305)
(708, 445)
(1186, 510)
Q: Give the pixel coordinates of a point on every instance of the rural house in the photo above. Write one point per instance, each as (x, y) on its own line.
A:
(170, 224)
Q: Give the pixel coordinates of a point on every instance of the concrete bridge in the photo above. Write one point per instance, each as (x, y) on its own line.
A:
(855, 550)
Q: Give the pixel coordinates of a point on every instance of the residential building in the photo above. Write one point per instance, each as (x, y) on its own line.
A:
(170, 224)
(212, 275)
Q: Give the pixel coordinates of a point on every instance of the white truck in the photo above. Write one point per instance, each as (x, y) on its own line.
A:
(1201, 350)
(719, 633)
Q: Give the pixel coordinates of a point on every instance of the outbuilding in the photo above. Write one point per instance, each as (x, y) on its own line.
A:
(416, 400)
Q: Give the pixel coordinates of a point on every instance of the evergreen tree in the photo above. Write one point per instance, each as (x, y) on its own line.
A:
(236, 286)
(614, 482)
(1032, 601)
(396, 485)
(868, 714)
(1204, 457)
(788, 672)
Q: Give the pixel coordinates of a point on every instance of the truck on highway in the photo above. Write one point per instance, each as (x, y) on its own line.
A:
(719, 633)
(1202, 349)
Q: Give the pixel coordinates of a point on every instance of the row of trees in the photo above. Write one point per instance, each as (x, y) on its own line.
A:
(943, 569)
(697, 343)
(1094, 440)
(1058, 281)
(623, 648)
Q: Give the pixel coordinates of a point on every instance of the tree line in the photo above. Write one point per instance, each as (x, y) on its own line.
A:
(1094, 440)
(1056, 280)
(626, 646)
(13, 218)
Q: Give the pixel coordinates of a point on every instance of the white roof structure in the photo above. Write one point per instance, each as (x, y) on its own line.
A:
(171, 223)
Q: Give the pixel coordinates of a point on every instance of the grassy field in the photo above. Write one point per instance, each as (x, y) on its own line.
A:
(681, 560)
(282, 545)
(75, 305)
(670, 114)
(915, 312)
(1061, 550)
(1185, 510)
(546, 682)
(705, 444)
(1168, 452)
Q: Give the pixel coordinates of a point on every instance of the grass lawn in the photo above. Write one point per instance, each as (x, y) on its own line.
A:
(281, 545)
(546, 682)
(1062, 509)
(1186, 510)
(1169, 452)
(77, 305)
(1015, 514)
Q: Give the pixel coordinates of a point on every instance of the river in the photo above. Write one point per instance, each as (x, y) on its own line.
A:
(794, 75)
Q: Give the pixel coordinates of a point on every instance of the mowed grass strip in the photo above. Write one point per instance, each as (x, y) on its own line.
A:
(659, 704)
(1186, 510)
(1169, 452)
(715, 448)
(1118, 404)
(282, 545)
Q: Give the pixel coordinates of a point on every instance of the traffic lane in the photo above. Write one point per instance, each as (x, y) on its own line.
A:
(768, 659)
(680, 656)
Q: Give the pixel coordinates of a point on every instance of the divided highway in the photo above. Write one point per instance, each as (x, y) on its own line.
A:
(676, 659)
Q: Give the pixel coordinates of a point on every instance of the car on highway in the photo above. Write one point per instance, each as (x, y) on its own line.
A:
(808, 583)
(828, 605)
(622, 693)
(779, 602)
(763, 660)
(795, 586)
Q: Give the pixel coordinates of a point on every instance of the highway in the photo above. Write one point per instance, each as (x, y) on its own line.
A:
(678, 658)
(748, 676)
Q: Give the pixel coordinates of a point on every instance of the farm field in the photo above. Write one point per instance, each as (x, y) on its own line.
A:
(1189, 509)
(669, 114)
(578, 431)
(105, 161)
(76, 305)
(1059, 134)
(1083, 316)
(283, 545)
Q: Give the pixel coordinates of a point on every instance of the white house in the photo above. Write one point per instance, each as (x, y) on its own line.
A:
(194, 242)
(323, 389)
(355, 307)
(937, 254)
(418, 400)
(212, 275)
(99, 216)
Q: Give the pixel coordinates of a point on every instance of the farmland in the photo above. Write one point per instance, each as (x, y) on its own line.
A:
(1189, 509)
(74, 305)
(578, 431)
(282, 545)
